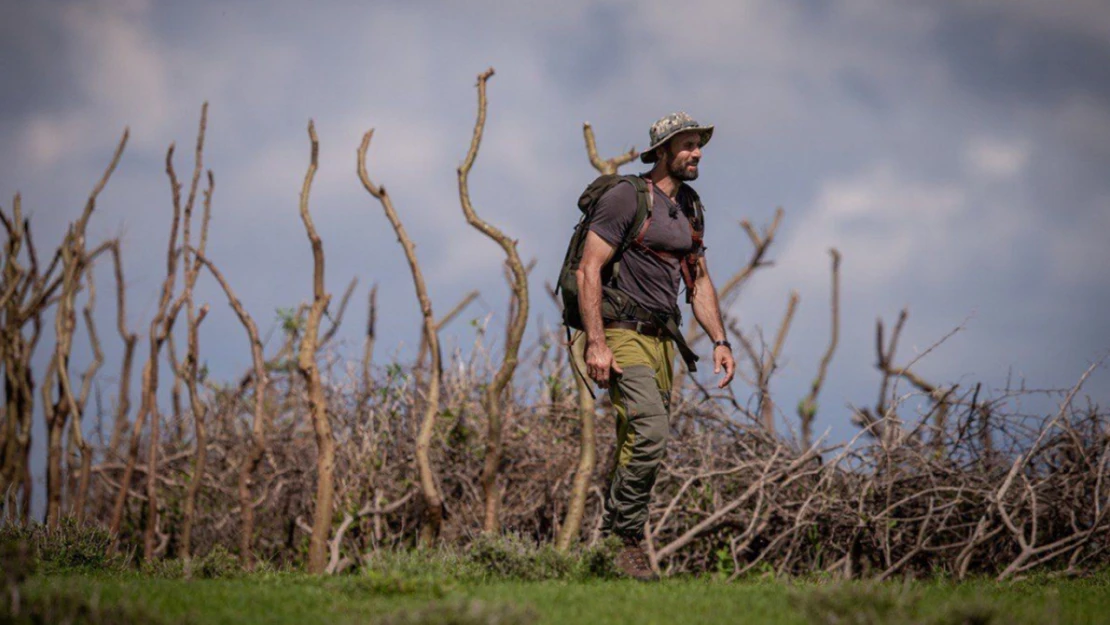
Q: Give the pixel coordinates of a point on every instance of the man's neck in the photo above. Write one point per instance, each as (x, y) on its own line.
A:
(665, 182)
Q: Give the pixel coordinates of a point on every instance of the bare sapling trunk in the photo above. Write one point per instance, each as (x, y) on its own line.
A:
(130, 339)
(78, 451)
(433, 501)
(587, 456)
(160, 327)
(337, 318)
(516, 323)
(77, 436)
(261, 420)
(310, 371)
(887, 356)
(587, 451)
(59, 409)
(422, 351)
(766, 362)
(941, 397)
(368, 343)
(200, 413)
(807, 408)
(189, 372)
(18, 308)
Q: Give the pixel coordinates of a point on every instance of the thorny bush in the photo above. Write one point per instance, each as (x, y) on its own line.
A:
(994, 493)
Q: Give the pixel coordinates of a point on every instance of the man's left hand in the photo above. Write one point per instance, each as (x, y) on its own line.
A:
(722, 357)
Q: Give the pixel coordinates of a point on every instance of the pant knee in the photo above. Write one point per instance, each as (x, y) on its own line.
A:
(651, 439)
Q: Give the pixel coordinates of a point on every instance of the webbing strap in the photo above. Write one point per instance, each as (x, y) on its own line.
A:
(688, 263)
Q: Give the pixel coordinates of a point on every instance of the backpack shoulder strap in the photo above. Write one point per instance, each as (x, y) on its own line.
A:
(690, 202)
(645, 199)
(636, 230)
(695, 214)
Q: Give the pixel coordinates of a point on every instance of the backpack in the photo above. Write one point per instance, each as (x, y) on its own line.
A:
(615, 304)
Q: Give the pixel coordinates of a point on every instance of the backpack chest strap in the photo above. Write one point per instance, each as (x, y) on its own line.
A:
(687, 263)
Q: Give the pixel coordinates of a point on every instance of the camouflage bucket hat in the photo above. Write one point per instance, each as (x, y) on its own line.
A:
(669, 126)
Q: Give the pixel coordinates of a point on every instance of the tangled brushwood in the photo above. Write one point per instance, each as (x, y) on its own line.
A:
(731, 497)
(308, 458)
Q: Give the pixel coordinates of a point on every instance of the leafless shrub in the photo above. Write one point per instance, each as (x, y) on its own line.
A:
(518, 319)
(731, 496)
(939, 478)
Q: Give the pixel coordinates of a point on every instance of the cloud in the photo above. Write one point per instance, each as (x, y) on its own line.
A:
(997, 158)
(46, 139)
(120, 72)
(117, 61)
(879, 126)
(1086, 17)
(890, 228)
(1077, 247)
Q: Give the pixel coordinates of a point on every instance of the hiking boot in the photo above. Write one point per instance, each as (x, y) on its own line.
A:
(633, 562)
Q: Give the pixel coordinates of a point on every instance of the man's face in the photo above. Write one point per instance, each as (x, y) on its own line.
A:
(683, 153)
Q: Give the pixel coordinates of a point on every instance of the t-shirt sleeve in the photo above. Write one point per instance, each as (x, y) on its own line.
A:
(614, 213)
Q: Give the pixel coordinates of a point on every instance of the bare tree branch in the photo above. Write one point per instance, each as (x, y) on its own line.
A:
(310, 371)
(807, 409)
(607, 166)
(433, 501)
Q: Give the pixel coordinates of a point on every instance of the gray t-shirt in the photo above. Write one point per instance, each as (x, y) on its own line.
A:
(651, 281)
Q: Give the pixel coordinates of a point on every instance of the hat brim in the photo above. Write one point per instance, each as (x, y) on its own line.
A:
(648, 155)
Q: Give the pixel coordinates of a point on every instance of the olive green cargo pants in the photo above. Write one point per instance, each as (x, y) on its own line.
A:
(641, 396)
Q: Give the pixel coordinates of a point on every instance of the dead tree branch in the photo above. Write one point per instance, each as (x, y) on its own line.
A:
(607, 166)
(310, 371)
(60, 409)
(160, 327)
(766, 367)
(807, 409)
(190, 372)
(433, 501)
(516, 324)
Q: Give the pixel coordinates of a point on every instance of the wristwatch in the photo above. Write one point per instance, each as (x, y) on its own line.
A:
(722, 343)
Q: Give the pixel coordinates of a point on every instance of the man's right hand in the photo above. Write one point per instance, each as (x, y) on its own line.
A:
(599, 362)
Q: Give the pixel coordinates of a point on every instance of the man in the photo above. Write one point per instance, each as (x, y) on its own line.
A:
(633, 359)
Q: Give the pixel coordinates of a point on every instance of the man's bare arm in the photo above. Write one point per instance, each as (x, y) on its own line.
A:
(707, 310)
(599, 359)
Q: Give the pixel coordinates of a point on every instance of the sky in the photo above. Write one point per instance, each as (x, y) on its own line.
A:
(956, 153)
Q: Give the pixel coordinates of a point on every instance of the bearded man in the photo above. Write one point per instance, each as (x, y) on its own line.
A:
(634, 357)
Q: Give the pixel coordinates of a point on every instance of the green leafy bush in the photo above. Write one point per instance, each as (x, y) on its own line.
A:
(491, 558)
(512, 557)
(599, 561)
(165, 568)
(71, 546)
(217, 563)
(438, 564)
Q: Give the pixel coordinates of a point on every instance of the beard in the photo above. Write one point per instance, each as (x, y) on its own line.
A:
(685, 170)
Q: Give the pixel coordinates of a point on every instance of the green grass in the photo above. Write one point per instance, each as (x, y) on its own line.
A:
(280, 598)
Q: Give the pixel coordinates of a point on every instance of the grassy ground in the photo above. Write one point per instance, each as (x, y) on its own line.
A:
(67, 577)
(371, 598)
